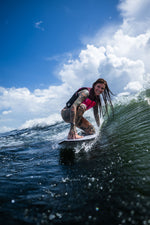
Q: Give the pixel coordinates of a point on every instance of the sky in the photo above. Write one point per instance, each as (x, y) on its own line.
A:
(38, 34)
(50, 48)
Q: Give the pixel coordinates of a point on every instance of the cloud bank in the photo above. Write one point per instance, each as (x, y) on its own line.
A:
(120, 55)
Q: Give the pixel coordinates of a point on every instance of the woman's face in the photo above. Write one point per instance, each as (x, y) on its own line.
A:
(99, 88)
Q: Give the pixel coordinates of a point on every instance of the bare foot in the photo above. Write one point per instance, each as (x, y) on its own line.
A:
(78, 136)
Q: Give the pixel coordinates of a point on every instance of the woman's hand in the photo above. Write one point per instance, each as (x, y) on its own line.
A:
(73, 133)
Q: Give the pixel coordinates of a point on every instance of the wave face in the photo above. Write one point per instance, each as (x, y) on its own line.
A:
(106, 182)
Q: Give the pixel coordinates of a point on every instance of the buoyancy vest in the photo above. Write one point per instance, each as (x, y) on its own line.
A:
(90, 101)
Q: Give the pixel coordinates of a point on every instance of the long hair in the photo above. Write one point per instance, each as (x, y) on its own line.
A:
(106, 96)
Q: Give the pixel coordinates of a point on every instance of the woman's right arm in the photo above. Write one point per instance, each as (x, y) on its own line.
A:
(82, 96)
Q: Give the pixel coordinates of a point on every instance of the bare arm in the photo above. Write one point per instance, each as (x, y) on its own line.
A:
(82, 96)
(95, 110)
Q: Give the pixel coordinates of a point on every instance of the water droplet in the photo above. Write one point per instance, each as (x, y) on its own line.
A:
(51, 216)
(120, 214)
(8, 175)
(59, 215)
(92, 179)
(123, 221)
(89, 184)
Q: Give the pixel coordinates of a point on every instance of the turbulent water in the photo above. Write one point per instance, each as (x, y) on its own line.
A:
(104, 182)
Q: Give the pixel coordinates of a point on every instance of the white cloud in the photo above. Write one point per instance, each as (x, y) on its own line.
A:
(6, 112)
(138, 9)
(24, 105)
(136, 17)
(134, 86)
(38, 25)
(83, 70)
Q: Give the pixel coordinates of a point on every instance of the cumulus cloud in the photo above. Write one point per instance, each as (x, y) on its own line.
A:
(83, 70)
(18, 105)
(135, 86)
(134, 9)
(136, 17)
(121, 56)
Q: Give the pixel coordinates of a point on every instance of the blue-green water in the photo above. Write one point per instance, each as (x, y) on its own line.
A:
(107, 182)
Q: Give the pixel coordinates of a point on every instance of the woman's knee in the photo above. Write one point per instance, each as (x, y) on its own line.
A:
(81, 109)
(65, 115)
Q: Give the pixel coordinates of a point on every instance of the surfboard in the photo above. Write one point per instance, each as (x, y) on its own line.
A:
(86, 138)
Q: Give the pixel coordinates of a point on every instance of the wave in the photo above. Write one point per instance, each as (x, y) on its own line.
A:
(130, 125)
(42, 122)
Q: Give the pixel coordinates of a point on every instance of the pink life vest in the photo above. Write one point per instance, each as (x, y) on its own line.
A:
(88, 102)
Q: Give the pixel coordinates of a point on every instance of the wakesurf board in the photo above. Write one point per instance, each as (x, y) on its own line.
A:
(86, 138)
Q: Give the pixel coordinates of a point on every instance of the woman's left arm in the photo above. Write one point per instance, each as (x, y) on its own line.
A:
(95, 110)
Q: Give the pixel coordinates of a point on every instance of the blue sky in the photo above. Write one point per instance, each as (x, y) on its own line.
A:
(51, 48)
(37, 35)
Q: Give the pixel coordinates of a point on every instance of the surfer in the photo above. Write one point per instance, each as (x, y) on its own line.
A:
(82, 100)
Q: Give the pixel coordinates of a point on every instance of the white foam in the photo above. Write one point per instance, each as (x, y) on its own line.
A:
(42, 122)
(148, 100)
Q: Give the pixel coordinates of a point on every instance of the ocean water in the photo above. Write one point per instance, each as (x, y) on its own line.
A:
(105, 182)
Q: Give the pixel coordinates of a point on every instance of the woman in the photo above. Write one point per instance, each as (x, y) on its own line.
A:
(82, 100)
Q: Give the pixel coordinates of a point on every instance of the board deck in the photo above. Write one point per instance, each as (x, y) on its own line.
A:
(84, 139)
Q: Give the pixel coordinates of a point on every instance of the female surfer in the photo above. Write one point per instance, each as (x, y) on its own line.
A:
(82, 100)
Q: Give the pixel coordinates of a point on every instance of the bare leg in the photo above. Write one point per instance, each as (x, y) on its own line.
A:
(82, 123)
(86, 126)
(65, 113)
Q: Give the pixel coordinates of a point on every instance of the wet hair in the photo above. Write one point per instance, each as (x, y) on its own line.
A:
(106, 96)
